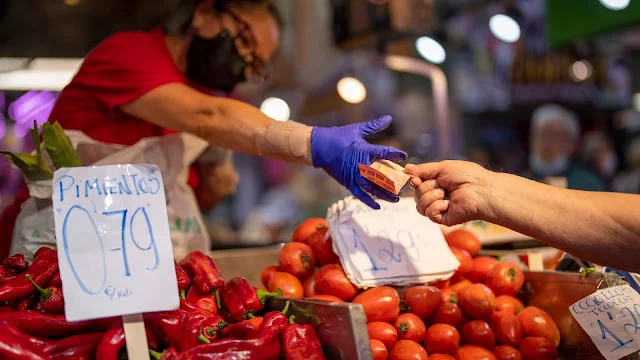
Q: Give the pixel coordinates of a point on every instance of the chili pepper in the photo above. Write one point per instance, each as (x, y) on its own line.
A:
(240, 300)
(14, 345)
(191, 308)
(203, 271)
(76, 347)
(3, 272)
(112, 342)
(301, 342)
(205, 302)
(183, 279)
(41, 250)
(16, 262)
(25, 303)
(4, 309)
(42, 270)
(244, 329)
(51, 298)
(200, 330)
(265, 346)
(56, 280)
(168, 328)
(52, 325)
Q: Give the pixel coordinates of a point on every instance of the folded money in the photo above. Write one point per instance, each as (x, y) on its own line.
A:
(386, 174)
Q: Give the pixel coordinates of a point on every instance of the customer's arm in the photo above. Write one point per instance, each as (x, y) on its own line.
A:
(600, 227)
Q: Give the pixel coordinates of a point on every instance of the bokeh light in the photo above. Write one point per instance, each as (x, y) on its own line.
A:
(431, 50)
(615, 4)
(276, 109)
(504, 28)
(352, 90)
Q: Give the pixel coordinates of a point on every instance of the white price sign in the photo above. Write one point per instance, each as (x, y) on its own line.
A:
(611, 317)
(114, 249)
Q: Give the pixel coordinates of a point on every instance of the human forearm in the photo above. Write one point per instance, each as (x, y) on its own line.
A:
(601, 227)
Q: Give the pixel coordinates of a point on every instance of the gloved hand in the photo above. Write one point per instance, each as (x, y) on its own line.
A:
(339, 150)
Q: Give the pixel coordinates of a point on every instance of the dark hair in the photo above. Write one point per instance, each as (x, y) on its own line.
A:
(181, 17)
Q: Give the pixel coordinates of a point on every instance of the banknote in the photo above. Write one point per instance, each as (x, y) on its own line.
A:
(386, 174)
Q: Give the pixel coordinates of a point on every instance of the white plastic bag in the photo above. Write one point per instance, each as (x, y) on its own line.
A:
(173, 154)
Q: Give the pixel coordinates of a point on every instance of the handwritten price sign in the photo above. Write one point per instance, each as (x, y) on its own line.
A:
(112, 234)
(611, 317)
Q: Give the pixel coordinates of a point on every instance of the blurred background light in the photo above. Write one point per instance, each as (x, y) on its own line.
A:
(34, 105)
(615, 4)
(276, 109)
(580, 70)
(41, 74)
(504, 28)
(351, 90)
(72, 2)
(636, 102)
(431, 50)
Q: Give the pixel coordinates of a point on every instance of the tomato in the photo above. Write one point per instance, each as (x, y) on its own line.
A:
(378, 350)
(384, 332)
(441, 284)
(466, 264)
(329, 298)
(460, 285)
(505, 352)
(536, 322)
(537, 348)
(441, 357)
(474, 352)
(506, 327)
(289, 284)
(380, 303)
(308, 228)
(322, 247)
(477, 301)
(464, 239)
(478, 332)
(422, 300)
(410, 327)
(508, 303)
(266, 274)
(297, 259)
(309, 284)
(448, 313)
(408, 350)
(331, 280)
(506, 278)
(448, 295)
(442, 339)
(481, 266)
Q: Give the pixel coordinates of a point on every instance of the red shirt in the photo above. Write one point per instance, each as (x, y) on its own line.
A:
(119, 70)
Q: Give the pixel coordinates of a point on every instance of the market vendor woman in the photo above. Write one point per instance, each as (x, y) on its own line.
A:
(141, 84)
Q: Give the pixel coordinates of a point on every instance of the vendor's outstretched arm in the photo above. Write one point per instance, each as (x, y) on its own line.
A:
(596, 226)
(241, 127)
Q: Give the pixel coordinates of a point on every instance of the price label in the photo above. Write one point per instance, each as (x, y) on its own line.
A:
(112, 234)
(611, 317)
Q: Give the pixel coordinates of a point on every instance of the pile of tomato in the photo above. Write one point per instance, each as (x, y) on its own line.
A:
(472, 316)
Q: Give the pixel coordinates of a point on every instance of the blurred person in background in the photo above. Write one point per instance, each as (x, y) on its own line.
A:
(629, 180)
(141, 84)
(555, 135)
(596, 226)
(599, 155)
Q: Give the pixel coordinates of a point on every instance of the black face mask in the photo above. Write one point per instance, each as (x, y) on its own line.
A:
(216, 63)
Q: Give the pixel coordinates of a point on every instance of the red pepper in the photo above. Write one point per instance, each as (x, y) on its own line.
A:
(200, 330)
(3, 272)
(41, 251)
(244, 329)
(183, 279)
(76, 347)
(203, 271)
(240, 300)
(51, 298)
(168, 328)
(265, 346)
(56, 280)
(204, 302)
(42, 270)
(191, 308)
(300, 342)
(16, 263)
(25, 303)
(112, 342)
(14, 345)
(51, 325)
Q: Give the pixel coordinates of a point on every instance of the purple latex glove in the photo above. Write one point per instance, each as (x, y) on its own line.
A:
(339, 150)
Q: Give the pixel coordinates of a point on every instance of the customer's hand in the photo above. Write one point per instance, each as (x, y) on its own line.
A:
(339, 150)
(451, 192)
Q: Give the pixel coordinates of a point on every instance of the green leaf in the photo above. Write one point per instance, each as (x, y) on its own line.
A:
(59, 147)
(31, 166)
